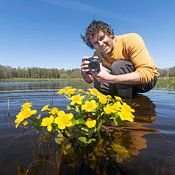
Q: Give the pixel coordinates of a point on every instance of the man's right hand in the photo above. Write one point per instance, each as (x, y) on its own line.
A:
(84, 65)
(85, 70)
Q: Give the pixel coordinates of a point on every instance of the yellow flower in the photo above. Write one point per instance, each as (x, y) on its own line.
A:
(81, 90)
(47, 121)
(45, 108)
(25, 123)
(117, 106)
(19, 119)
(109, 96)
(76, 99)
(26, 105)
(61, 91)
(28, 112)
(127, 108)
(90, 123)
(54, 110)
(63, 120)
(125, 115)
(118, 98)
(70, 92)
(103, 99)
(68, 87)
(89, 106)
(94, 91)
(25, 113)
(108, 109)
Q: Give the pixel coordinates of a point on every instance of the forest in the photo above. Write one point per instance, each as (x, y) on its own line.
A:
(7, 72)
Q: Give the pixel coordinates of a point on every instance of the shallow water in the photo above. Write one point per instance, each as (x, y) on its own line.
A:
(151, 143)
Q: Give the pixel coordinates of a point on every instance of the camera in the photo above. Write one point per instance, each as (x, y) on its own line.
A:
(94, 64)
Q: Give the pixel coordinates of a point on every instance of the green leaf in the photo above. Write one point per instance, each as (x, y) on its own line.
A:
(84, 129)
(85, 140)
(38, 117)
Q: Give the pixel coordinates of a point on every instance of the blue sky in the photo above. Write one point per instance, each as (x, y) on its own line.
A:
(46, 33)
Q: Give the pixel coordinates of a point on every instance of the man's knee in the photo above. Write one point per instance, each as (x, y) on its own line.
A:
(122, 67)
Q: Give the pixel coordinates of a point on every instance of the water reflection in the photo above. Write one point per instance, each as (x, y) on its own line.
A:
(108, 156)
(12, 86)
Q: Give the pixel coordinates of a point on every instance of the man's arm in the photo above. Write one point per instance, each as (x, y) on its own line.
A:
(141, 59)
(129, 78)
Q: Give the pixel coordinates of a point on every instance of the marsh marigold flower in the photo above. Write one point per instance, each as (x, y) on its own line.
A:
(90, 123)
(126, 115)
(45, 108)
(127, 108)
(117, 106)
(24, 114)
(76, 99)
(103, 99)
(70, 92)
(108, 109)
(26, 105)
(54, 110)
(89, 106)
(81, 90)
(48, 122)
(94, 91)
(61, 91)
(63, 120)
(118, 98)
(19, 119)
(25, 123)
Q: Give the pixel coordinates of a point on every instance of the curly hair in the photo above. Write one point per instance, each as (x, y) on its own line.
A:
(93, 28)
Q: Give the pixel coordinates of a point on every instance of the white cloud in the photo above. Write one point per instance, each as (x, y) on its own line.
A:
(77, 6)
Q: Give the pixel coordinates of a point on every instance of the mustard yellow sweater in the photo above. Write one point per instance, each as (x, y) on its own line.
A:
(131, 47)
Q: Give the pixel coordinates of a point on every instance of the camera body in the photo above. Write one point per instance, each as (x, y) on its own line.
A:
(94, 64)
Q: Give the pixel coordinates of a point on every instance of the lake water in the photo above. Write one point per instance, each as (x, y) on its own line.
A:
(151, 140)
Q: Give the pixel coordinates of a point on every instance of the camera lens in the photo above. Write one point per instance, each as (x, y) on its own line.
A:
(94, 65)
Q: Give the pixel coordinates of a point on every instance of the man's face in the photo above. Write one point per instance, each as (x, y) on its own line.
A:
(103, 43)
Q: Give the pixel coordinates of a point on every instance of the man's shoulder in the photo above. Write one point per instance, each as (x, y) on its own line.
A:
(130, 39)
(129, 36)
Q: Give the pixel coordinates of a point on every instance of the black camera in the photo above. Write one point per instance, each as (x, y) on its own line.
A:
(94, 64)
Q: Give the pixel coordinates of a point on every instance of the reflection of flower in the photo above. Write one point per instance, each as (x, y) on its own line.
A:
(86, 113)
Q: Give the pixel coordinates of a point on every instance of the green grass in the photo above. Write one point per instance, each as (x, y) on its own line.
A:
(166, 83)
(162, 83)
(40, 79)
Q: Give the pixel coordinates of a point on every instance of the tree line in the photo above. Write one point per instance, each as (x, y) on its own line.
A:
(167, 72)
(7, 72)
(36, 72)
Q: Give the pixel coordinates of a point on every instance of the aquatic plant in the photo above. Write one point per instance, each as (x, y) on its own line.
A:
(81, 123)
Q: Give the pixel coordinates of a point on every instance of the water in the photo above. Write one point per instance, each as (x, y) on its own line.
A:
(151, 140)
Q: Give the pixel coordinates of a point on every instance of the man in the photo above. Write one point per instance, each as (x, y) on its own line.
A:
(126, 66)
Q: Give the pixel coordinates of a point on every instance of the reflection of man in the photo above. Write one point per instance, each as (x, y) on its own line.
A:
(144, 115)
(144, 108)
(127, 67)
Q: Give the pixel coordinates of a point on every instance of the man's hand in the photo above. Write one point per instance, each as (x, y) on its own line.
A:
(84, 65)
(129, 78)
(85, 70)
(103, 76)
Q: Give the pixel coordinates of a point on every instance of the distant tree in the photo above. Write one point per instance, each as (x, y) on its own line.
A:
(76, 73)
(64, 75)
